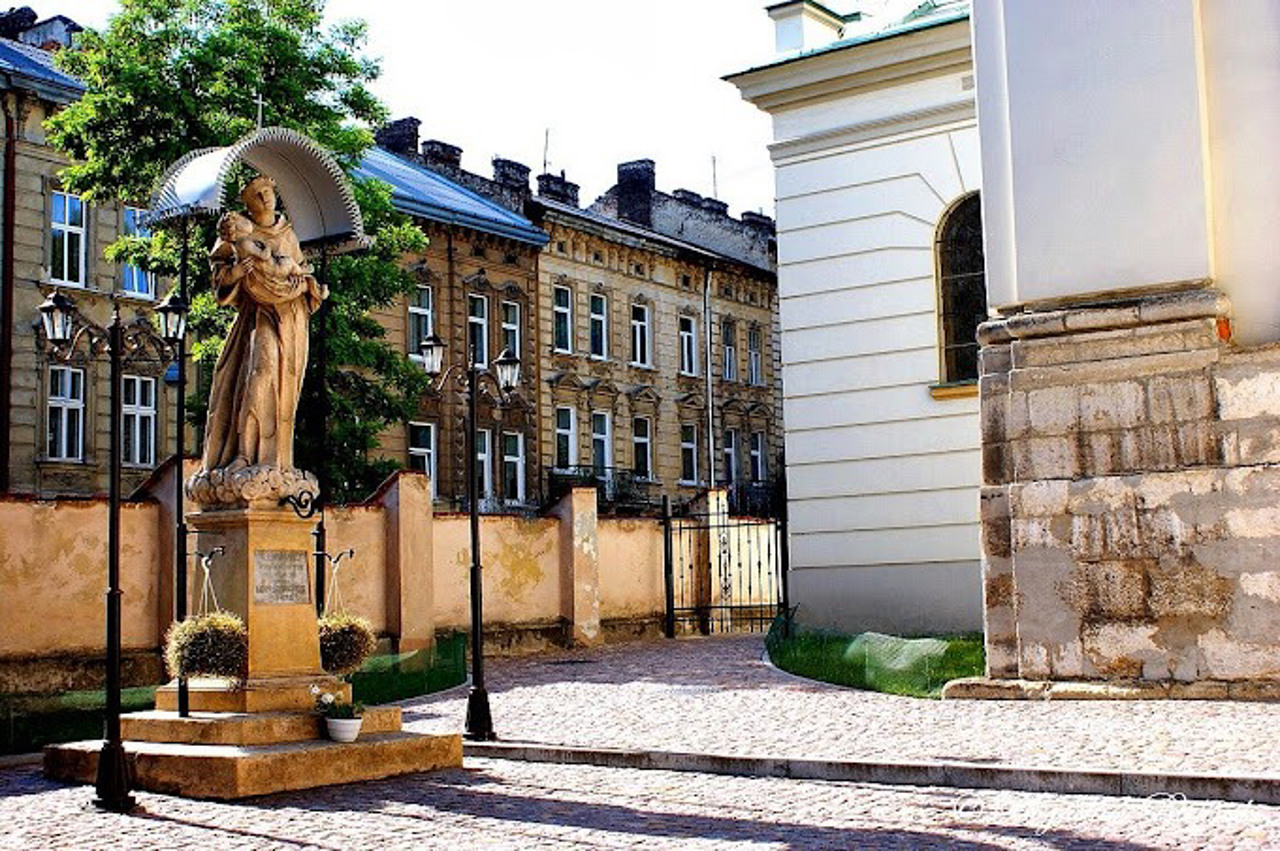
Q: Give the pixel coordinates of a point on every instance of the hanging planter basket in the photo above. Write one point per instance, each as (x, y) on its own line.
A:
(209, 645)
(345, 642)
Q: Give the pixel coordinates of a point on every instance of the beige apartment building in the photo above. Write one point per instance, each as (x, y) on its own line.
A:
(55, 415)
(659, 374)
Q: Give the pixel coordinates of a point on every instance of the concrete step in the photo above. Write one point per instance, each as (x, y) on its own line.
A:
(244, 728)
(227, 772)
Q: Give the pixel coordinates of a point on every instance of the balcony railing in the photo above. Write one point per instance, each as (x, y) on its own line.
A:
(615, 487)
(757, 499)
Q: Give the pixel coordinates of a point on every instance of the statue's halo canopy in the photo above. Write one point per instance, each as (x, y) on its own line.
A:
(317, 195)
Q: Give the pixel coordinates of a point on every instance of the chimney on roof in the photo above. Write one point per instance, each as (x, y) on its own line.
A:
(635, 191)
(557, 188)
(759, 222)
(441, 155)
(716, 206)
(400, 137)
(511, 173)
(15, 21)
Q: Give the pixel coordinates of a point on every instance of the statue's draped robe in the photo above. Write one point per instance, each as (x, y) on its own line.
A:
(258, 377)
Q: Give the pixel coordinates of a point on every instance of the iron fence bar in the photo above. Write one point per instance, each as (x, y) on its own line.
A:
(668, 577)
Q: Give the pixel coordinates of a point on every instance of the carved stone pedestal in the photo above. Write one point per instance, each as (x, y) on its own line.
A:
(266, 576)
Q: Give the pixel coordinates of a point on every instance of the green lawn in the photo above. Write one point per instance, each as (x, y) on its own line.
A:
(917, 667)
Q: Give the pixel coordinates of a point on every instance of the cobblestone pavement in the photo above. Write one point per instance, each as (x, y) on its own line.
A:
(717, 696)
(504, 804)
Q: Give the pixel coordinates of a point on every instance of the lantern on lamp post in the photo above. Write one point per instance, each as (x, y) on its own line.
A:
(506, 375)
(65, 329)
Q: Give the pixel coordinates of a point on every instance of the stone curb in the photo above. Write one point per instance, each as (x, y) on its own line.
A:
(1263, 789)
(20, 759)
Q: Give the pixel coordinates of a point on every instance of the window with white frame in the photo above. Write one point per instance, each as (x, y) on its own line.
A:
(422, 451)
(754, 374)
(135, 281)
(642, 448)
(138, 425)
(601, 445)
(729, 350)
(688, 346)
(421, 319)
(511, 327)
(566, 438)
(599, 326)
(757, 456)
(562, 319)
(484, 472)
(512, 467)
(66, 245)
(66, 414)
(640, 349)
(688, 454)
(478, 328)
(730, 455)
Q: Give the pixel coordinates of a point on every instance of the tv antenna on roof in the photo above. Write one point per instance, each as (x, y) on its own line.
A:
(715, 187)
(546, 146)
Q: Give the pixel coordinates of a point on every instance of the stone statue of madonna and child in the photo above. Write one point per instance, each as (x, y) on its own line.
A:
(259, 269)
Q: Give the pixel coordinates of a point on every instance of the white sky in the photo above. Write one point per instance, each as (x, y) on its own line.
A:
(613, 81)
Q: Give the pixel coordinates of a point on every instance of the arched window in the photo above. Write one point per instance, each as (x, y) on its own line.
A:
(962, 288)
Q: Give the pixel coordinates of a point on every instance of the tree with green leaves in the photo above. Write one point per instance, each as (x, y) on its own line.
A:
(169, 76)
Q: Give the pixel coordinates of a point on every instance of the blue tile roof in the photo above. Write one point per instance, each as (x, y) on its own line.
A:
(418, 191)
(25, 66)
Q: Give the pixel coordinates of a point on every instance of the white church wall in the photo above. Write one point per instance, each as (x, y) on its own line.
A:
(883, 478)
(1242, 72)
(1086, 219)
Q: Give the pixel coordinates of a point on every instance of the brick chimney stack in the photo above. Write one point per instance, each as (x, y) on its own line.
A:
(636, 181)
(511, 174)
(441, 156)
(557, 188)
(400, 137)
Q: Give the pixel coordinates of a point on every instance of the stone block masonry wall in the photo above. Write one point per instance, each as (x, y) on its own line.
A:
(1131, 464)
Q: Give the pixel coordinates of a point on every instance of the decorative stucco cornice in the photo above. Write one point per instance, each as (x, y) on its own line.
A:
(851, 134)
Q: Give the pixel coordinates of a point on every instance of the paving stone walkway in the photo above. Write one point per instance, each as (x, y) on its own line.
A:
(718, 696)
(501, 804)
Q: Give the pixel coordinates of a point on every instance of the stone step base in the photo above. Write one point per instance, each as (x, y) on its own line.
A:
(992, 688)
(274, 694)
(240, 728)
(228, 772)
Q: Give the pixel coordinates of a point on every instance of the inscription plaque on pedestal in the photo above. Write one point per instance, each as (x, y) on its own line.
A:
(281, 576)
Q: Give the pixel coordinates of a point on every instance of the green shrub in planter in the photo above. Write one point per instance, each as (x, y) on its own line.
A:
(212, 645)
(345, 642)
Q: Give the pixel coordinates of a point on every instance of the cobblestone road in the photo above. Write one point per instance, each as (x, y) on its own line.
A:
(531, 806)
(718, 696)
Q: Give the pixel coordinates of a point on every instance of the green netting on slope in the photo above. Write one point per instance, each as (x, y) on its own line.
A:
(918, 667)
(383, 679)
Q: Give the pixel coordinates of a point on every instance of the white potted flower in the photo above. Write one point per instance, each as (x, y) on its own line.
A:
(341, 719)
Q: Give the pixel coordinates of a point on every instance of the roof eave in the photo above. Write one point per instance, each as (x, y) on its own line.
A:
(445, 215)
(849, 44)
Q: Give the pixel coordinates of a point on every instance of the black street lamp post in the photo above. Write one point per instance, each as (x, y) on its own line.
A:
(64, 328)
(506, 374)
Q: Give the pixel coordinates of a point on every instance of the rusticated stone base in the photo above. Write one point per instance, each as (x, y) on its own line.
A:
(1131, 466)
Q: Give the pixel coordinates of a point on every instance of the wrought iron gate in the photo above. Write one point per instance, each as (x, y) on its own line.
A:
(723, 573)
